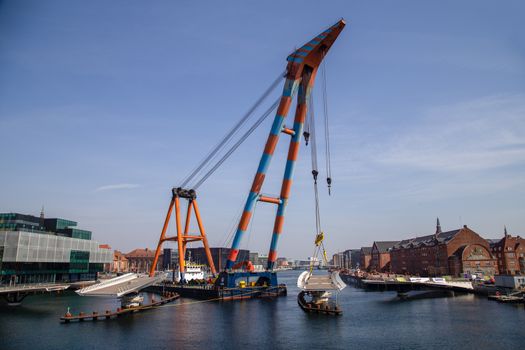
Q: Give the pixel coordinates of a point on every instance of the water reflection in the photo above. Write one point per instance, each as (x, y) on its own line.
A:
(370, 320)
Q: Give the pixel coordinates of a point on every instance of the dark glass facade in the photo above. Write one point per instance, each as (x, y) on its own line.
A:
(30, 223)
(34, 249)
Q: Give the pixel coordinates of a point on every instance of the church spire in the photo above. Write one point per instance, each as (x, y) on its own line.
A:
(42, 216)
(438, 227)
(505, 234)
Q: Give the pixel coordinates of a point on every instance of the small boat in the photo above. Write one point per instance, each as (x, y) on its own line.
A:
(317, 291)
(131, 300)
(192, 272)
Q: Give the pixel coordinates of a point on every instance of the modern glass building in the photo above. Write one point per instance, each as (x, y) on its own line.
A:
(34, 249)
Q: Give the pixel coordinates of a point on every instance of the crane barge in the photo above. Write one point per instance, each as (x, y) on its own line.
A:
(300, 74)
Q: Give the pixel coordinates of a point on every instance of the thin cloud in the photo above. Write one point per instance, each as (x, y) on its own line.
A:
(470, 148)
(116, 187)
(476, 135)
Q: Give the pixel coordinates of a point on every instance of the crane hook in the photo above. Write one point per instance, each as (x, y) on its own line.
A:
(315, 173)
(306, 135)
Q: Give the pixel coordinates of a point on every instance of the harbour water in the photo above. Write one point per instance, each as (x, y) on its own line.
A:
(370, 320)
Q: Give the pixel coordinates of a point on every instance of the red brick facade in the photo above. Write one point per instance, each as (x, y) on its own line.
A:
(380, 260)
(453, 253)
(510, 254)
(140, 260)
(365, 257)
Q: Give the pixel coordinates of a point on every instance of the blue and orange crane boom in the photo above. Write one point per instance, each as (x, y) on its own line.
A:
(300, 75)
(302, 68)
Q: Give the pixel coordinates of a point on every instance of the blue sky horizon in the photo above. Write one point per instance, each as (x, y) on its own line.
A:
(104, 106)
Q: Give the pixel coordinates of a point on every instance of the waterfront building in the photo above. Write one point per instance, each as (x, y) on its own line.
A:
(355, 258)
(167, 259)
(348, 259)
(315, 261)
(262, 259)
(510, 254)
(346, 263)
(282, 262)
(365, 255)
(120, 263)
(337, 260)
(140, 260)
(301, 264)
(380, 256)
(219, 256)
(510, 282)
(254, 258)
(460, 252)
(38, 249)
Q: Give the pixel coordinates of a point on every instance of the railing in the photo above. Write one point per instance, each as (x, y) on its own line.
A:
(120, 285)
(110, 282)
(30, 286)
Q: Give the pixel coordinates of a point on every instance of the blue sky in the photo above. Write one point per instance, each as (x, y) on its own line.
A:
(106, 105)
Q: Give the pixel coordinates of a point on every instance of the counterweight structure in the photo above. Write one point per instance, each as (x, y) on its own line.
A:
(301, 71)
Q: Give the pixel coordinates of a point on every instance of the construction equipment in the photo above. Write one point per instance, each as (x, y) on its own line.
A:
(183, 237)
(300, 75)
(245, 265)
(302, 68)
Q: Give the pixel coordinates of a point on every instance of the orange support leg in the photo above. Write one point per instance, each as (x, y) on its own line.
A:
(183, 237)
(161, 240)
(179, 235)
(204, 238)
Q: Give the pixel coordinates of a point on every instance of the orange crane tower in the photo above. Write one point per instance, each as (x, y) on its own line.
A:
(183, 237)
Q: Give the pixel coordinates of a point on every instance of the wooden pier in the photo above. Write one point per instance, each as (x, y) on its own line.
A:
(95, 316)
(513, 298)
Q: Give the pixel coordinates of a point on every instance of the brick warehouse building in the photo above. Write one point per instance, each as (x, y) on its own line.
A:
(364, 258)
(455, 253)
(510, 253)
(380, 256)
(140, 260)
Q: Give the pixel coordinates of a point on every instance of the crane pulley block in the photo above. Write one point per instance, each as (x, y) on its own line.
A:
(184, 193)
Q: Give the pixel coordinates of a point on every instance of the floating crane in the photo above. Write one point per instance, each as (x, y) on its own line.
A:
(299, 76)
(302, 68)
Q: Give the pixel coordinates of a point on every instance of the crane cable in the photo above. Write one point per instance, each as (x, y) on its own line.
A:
(232, 132)
(310, 135)
(313, 152)
(242, 139)
(237, 144)
(326, 131)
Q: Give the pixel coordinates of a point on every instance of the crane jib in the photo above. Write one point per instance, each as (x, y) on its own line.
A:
(302, 68)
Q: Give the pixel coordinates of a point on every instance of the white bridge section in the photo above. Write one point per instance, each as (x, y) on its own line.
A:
(33, 287)
(454, 284)
(120, 286)
(309, 282)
